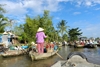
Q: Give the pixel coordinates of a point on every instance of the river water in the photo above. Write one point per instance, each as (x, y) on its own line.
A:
(92, 54)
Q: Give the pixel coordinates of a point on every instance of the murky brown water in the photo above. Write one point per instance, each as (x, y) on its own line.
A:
(93, 56)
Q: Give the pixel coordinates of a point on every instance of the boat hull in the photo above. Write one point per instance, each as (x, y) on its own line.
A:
(36, 56)
(79, 46)
(11, 53)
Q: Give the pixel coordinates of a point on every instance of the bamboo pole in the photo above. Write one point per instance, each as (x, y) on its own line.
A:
(59, 55)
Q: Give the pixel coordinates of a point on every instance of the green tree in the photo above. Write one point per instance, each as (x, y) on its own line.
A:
(74, 33)
(65, 37)
(18, 30)
(30, 28)
(62, 28)
(2, 19)
(46, 23)
(32, 24)
(97, 39)
(11, 24)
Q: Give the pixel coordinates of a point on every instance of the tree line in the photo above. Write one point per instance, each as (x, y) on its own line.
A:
(27, 31)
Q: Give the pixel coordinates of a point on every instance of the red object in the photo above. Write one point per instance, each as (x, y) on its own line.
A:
(82, 43)
(50, 46)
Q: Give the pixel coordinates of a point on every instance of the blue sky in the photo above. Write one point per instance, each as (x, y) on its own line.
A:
(84, 14)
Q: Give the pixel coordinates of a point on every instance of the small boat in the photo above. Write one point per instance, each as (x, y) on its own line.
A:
(79, 46)
(11, 53)
(75, 60)
(2, 48)
(90, 46)
(37, 56)
(1, 43)
(1, 53)
(71, 44)
(60, 45)
(98, 44)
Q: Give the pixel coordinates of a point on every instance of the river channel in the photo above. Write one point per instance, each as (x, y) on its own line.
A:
(92, 54)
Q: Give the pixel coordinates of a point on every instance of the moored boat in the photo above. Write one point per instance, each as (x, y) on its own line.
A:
(90, 46)
(10, 53)
(79, 46)
(75, 60)
(98, 44)
(37, 56)
(60, 45)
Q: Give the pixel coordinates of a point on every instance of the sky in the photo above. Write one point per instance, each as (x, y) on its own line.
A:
(84, 14)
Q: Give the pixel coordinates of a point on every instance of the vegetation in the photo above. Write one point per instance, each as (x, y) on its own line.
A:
(62, 28)
(2, 19)
(32, 24)
(74, 33)
(27, 31)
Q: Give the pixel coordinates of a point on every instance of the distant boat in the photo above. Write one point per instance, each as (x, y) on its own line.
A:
(60, 45)
(98, 44)
(90, 46)
(78, 46)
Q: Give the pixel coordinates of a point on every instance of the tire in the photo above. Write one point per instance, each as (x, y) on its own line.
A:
(76, 53)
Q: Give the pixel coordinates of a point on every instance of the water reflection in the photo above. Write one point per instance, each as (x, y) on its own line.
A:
(25, 61)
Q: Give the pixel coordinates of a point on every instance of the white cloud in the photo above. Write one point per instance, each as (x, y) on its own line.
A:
(19, 8)
(92, 30)
(37, 6)
(96, 1)
(79, 3)
(76, 13)
(97, 9)
(57, 18)
(89, 29)
(14, 8)
(88, 3)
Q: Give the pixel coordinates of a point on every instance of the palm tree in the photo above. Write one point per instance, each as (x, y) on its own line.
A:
(2, 26)
(2, 23)
(10, 24)
(2, 19)
(62, 28)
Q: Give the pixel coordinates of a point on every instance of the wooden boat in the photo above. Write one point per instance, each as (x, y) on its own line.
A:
(79, 46)
(1, 43)
(37, 56)
(78, 60)
(71, 44)
(98, 44)
(60, 45)
(10, 53)
(90, 46)
(1, 54)
(2, 48)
